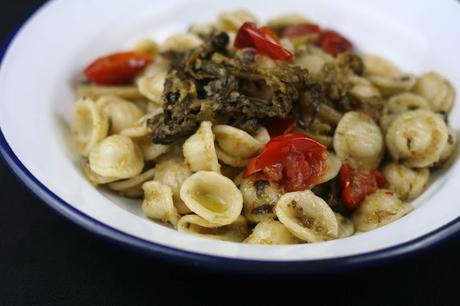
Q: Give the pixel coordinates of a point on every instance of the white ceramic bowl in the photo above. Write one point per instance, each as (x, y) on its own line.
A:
(47, 55)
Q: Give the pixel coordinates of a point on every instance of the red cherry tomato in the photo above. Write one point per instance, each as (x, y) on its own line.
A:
(333, 43)
(357, 184)
(278, 126)
(301, 29)
(263, 40)
(118, 68)
(295, 160)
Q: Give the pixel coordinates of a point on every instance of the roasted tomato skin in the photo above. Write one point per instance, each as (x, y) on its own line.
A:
(334, 43)
(294, 160)
(117, 68)
(301, 29)
(357, 184)
(263, 40)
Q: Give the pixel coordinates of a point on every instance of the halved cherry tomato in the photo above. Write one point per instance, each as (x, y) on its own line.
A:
(301, 29)
(278, 126)
(357, 184)
(263, 40)
(118, 68)
(295, 160)
(333, 43)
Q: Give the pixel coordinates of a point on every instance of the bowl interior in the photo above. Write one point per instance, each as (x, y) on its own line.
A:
(46, 58)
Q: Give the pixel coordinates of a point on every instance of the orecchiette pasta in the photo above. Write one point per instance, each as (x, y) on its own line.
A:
(333, 167)
(449, 148)
(213, 197)
(229, 159)
(116, 156)
(287, 20)
(307, 216)
(389, 86)
(399, 104)
(417, 138)
(152, 87)
(259, 198)
(358, 141)
(151, 150)
(89, 126)
(121, 113)
(271, 232)
(195, 225)
(158, 202)
(95, 91)
(199, 150)
(236, 142)
(182, 42)
(345, 226)
(437, 90)
(147, 46)
(215, 130)
(138, 129)
(133, 186)
(232, 21)
(375, 65)
(174, 172)
(406, 182)
(95, 178)
(380, 208)
(262, 135)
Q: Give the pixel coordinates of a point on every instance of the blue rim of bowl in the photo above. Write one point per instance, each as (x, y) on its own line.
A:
(217, 263)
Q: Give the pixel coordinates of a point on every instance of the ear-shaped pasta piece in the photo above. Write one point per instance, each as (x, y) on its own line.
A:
(229, 159)
(345, 226)
(358, 141)
(147, 46)
(132, 186)
(232, 21)
(417, 138)
(363, 90)
(236, 142)
(400, 104)
(437, 90)
(195, 225)
(95, 178)
(271, 232)
(307, 216)
(259, 198)
(389, 86)
(158, 202)
(89, 126)
(199, 150)
(406, 182)
(95, 91)
(376, 65)
(378, 209)
(451, 145)
(116, 156)
(173, 173)
(333, 167)
(313, 61)
(140, 128)
(121, 113)
(152, 151)
(152, 87)
(160, 65)
(182, 42)
(287, 20)
(212, 196)
(262, 136)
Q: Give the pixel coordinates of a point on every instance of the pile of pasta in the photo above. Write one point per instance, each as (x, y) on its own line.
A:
(196, 184)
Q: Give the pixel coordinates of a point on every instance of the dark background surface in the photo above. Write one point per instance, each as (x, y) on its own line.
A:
(45, 260)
